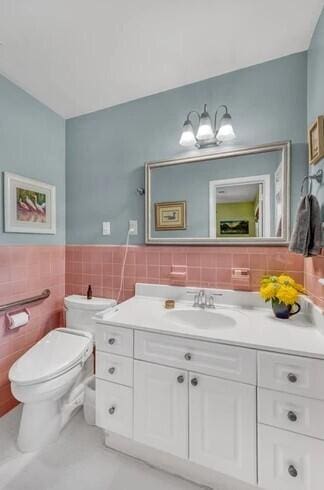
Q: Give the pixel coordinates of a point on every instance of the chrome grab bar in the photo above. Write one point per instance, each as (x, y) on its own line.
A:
(21, 302)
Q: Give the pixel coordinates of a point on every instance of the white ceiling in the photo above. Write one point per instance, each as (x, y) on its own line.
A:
(78, 56)
(237, 193)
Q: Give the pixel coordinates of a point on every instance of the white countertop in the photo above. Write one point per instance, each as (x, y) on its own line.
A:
(256, 326)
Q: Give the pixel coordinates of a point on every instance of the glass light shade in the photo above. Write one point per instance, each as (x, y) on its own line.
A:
(188, 135)
(226, 131)
(205, 130)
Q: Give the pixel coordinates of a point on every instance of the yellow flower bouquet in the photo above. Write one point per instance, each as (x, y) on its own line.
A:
(283, 292)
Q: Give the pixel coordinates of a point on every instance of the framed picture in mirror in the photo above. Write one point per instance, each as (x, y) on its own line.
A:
(170, 215)
(316, 141)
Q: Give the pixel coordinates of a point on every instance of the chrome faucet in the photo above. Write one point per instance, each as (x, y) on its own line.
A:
(202, 300)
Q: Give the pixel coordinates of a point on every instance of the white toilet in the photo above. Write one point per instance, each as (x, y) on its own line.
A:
(49, 378)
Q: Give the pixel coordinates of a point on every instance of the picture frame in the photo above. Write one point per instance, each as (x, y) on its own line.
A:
(170, 216)
(235, 227)
(316, 141)
(29, 205)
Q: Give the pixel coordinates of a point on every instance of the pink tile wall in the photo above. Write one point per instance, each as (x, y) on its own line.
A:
(314, 270)
(25, 271)
(101, 266)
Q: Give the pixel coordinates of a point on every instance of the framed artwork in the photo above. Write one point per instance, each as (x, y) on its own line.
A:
(170, 216)
(316, 141)
(234, 227)
(29, 205)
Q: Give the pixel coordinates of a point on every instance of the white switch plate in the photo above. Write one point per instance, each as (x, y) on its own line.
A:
(106, 228)
(133, 227)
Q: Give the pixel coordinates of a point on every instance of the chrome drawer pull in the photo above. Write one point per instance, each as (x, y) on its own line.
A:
(187, 356)
(292, 416)
(112, 410)
(292, 471)
(292, 377)
(194, 381)
(111, 341)
(180, 379)
(111, 370)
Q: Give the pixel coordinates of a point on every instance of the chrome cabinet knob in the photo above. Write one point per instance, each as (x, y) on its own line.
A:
(292, 416)
(187, 356)
(111, 341)
(292, 377)
(111, 370)
(112, 410)
(180, 379)
(292, 471)
(194, 381)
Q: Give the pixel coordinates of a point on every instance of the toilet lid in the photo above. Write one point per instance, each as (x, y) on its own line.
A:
(57, 352)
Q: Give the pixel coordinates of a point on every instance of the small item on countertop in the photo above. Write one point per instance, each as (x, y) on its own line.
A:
(89, 292)
(169, 304)
(282, 291)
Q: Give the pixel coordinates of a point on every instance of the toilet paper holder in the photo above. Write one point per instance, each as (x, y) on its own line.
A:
(10, 320)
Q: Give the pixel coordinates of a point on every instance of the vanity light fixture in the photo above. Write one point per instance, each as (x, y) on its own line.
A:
(207, 134)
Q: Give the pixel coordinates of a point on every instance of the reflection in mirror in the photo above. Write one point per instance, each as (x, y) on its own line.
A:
(237, 196)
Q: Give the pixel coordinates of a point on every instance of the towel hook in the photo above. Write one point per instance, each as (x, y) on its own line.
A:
(318, 177)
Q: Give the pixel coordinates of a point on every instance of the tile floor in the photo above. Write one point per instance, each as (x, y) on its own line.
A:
(77, 460)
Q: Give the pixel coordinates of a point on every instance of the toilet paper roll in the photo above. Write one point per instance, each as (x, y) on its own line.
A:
(18, 319)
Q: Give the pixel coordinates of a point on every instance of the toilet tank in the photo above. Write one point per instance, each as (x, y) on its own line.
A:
(80, 311)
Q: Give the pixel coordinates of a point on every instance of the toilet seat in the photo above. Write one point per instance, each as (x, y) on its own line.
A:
(58, 352)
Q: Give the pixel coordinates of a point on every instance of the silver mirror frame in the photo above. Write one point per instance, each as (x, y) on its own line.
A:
(283, 146)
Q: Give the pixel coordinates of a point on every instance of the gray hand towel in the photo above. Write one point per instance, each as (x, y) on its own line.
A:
(306, 235)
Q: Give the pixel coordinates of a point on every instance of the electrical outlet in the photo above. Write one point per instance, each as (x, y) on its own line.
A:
(132, 227)
(106, 228)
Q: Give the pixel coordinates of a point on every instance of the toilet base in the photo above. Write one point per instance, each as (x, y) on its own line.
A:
(40, 425)
(42, 421)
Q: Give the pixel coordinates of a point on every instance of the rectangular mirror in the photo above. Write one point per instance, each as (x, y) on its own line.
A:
(239, 196)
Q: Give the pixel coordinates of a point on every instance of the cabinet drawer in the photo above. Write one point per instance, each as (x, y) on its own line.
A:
(204, 357)
(114, 408)
(291, 374)
(291, 412)
(289, 461)
(117, 369)
(117, 340)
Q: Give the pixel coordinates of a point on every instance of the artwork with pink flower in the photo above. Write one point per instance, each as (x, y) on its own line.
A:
(29, 205)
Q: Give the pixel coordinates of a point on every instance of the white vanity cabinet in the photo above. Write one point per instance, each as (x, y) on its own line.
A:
(253, 415)
(192, 399)
(290, 417)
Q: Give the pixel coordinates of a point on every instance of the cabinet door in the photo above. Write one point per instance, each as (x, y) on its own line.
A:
(222, 426)
(161, 408)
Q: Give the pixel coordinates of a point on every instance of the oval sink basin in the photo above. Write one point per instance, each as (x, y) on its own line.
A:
(201, 318)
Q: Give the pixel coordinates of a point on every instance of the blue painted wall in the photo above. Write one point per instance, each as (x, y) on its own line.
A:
(315, 92)
(32, 144)
(106, 150)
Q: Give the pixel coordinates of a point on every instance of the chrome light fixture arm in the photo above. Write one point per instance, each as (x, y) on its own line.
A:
(223, 106)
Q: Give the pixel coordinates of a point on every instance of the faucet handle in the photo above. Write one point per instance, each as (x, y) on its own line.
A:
(195, 291)
(211, 299)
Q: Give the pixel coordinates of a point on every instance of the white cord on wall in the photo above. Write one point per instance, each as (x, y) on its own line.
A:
(123, 266)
